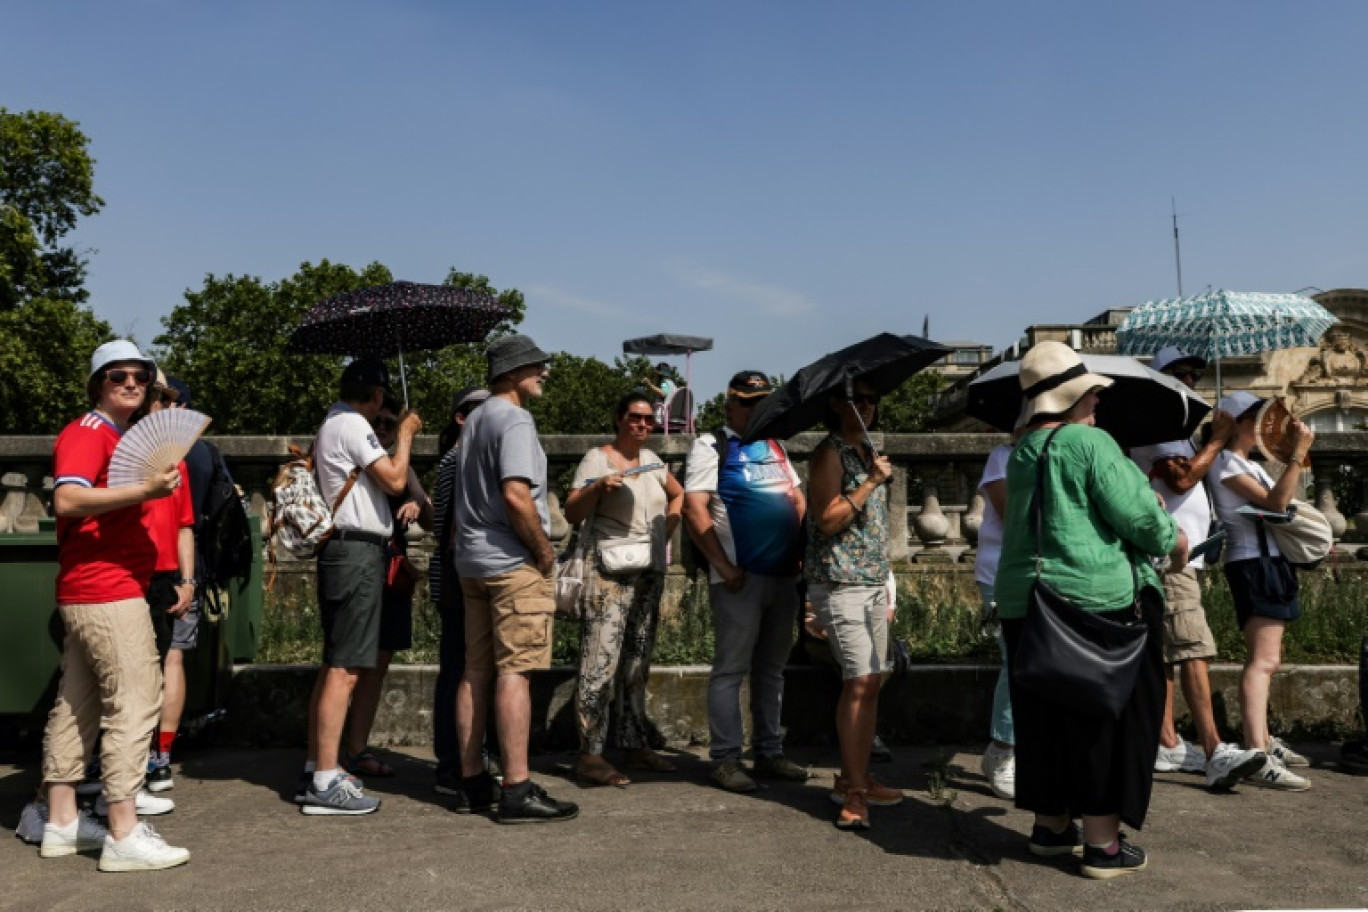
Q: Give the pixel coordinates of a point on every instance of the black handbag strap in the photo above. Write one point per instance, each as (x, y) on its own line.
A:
(1038, 518)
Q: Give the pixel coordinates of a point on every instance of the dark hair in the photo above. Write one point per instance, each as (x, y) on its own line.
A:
(357, 392)
(620, 410)
(392, 403)
(831, 417)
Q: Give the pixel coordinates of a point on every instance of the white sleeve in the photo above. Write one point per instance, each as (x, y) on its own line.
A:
(359, 442)
(996, 469)
(702, 468)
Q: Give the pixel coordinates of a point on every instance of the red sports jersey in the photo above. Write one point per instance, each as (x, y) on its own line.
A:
(166, 517)
(105, 558)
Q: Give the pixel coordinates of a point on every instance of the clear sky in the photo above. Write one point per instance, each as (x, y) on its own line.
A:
(787, 177)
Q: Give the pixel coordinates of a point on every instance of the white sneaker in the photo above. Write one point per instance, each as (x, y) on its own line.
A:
(32, 820)
(1276, 776)
(999, 768)
(83, 834)
(1278, 748)
(1229, 764)
(141, 850)
(1185, 758)
(147, 804)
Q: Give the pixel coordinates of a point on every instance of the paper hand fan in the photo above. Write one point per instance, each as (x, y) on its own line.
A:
(155, 443)
(1273, 431)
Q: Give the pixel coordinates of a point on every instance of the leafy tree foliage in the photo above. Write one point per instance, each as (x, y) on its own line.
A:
(581, 393)
(45, 348)
(47, 182)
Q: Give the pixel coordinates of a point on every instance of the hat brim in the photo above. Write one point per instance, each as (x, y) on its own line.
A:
(750, 394)
(1063, 397)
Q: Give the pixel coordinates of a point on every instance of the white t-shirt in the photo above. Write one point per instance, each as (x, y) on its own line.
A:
(990, 529)
(345, 442)
(1191, 510)
(1244, 531)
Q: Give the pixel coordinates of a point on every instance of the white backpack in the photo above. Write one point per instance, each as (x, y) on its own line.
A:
(300, 518)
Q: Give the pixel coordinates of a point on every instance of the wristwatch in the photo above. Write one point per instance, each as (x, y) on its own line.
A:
(182, 581)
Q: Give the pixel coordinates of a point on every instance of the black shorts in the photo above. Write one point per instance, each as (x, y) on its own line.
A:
(1260, 590)
(351, 583)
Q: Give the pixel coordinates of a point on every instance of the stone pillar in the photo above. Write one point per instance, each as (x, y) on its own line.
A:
(22, 505)
(1325, 496)
(897, 514)
(932, 525)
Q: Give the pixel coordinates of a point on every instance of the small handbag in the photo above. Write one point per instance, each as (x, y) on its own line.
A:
(625, 557)
(1070, 656)
(572, 574)
(397, 577)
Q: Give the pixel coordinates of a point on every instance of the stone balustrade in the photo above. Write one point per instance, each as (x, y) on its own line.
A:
(935, 507)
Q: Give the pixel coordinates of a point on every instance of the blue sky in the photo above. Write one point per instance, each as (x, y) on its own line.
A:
(786, 177)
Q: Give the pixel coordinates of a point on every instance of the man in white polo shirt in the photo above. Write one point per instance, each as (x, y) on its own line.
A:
(354, 476)
(1176, 471)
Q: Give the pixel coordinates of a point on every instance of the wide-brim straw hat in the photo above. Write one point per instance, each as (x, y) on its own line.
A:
(1053, 378)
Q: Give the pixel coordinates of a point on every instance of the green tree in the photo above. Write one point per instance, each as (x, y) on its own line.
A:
(581, 393)
(908, 409)
(45, 348)
(47, 182)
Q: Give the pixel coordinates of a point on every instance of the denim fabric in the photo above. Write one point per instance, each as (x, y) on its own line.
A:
(753, 632)
(1001, 728)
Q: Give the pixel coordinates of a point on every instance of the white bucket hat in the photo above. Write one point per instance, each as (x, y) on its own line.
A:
(1053, 378)
(1170, 355)
(1237, 403)
(116, 351)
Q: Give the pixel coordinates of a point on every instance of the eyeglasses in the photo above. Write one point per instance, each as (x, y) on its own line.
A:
(865, 399)
(385, 424)
(119, 376)
(633, 418)
(1187, 374)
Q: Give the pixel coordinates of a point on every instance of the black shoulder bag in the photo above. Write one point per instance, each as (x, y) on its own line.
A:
(1070, 656)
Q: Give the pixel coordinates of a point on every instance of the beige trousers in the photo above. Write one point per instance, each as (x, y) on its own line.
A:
(111, 680)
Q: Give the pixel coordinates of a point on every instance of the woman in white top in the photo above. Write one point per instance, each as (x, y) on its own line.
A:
(632, 517)
(1263, 585)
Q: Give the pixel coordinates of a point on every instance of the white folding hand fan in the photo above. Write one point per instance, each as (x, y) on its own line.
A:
(154, 444)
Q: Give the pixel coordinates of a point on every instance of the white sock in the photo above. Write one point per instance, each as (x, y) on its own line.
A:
(323, 778)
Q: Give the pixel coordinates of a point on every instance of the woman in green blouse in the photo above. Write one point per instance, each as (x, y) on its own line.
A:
(1099, 512)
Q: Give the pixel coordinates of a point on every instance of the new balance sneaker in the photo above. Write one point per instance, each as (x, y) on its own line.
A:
(141, 850)
(1285, 755)
(779, 767)
(1101, 865)
(999, 768)
(1229, 764)
(731, 776)
(32, 819)
(876, 794)
(306, 780)
(1276, 776)
(533, 805)
(146, 804)
(83, 834)
(1185, 758)
(1046, 843)
(341, 798)
(159, 778)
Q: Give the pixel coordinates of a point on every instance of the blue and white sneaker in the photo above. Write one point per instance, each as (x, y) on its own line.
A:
(340, 798)
(31, 822)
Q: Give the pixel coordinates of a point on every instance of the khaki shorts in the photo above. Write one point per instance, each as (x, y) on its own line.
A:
(508, 621)
(1186, 633)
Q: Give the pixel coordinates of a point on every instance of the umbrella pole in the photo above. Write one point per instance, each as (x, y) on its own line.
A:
(402, 379)
(688, 373)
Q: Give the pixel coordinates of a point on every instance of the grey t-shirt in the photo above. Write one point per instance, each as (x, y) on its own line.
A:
(498, 442)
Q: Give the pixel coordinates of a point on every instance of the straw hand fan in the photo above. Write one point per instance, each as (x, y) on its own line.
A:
(154, 444)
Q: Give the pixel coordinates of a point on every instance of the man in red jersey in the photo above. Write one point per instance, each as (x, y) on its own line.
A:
(110, 678)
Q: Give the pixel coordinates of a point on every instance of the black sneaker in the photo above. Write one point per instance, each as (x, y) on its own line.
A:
(1128, 859)
(1048, 844)
(475, 795)
(447, 782)
(1354, 757)
(535, 806)
(159, 778)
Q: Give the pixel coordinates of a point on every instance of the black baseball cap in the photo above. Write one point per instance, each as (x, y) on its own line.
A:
(749, 385)
(367, 372)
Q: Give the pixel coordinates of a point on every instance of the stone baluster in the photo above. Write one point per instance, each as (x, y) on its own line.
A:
(1325, 472)
(897, 514)
(22, 505)
(932, 525)
(973, 516)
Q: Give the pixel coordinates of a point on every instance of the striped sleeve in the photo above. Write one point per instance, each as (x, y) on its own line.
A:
(441, 517)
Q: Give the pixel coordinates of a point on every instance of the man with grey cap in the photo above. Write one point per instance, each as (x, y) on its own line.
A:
(1177, 470)
(502, 551)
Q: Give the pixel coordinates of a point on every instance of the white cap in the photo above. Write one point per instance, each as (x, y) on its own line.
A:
(1237, 403)
(1170, 355)
(116, 351)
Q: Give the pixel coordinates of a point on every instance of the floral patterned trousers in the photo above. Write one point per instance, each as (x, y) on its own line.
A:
(617, 637)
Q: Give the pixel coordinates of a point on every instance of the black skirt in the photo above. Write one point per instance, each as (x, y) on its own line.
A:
(1071, 763)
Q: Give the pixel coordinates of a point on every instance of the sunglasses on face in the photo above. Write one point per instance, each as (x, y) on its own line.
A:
(1193, 375)
(119, 376)
(634, 418)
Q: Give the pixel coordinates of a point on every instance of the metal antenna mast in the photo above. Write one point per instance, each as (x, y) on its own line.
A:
(1177, 253)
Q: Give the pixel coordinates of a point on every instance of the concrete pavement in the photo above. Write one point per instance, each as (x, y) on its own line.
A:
(674, 842)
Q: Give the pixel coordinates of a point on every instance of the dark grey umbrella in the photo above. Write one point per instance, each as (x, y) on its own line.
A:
(671, 344)
(1142, 407)
(883, 361)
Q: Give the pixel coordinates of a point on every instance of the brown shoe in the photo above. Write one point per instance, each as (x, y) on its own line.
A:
(877, 794)
(855, 811)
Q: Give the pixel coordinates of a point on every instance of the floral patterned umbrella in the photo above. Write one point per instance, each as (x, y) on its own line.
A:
(1222, 323)
(402, 316)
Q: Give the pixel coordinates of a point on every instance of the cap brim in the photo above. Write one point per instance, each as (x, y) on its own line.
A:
(750, 394)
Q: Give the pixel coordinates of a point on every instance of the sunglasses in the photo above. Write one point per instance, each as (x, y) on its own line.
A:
(865, 399)
(119, 376)
(632, 418)
(1185, 374)
(385, 424)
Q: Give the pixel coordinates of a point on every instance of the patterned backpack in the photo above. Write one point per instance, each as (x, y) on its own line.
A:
(300, 518)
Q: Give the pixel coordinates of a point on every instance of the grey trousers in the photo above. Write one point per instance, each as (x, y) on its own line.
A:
(753, 631)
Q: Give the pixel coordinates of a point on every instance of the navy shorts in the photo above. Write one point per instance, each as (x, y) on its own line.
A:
(1260, 590)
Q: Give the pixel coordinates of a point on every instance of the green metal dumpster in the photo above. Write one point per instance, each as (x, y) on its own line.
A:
(241, 625)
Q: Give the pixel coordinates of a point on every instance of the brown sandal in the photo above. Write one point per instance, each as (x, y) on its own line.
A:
(600, 773)
(646, 759)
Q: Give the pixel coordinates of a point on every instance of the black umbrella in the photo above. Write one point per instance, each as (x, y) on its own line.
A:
(1142, 407)
(883, 361)
(402, 316)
